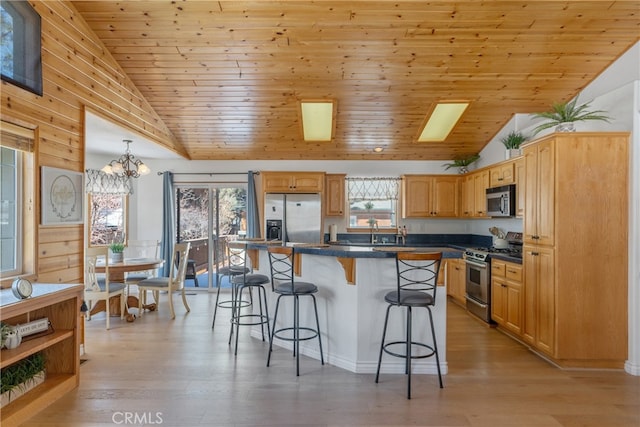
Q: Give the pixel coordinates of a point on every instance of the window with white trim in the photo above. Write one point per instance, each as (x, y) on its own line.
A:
(373, 202)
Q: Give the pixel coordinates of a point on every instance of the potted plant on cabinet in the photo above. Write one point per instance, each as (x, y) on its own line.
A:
(462, 164)
(512, 144)
(564, 115)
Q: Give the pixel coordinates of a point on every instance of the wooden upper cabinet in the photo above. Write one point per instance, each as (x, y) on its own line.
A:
(292, 182)
(334, 197)
(416, 196)
(480, 185)
(519, 171)
(502, 174)
(539, 216)
(468, 196)
(425, 196)
(446, 196)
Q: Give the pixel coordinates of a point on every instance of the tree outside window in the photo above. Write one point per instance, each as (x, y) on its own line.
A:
(108, 213)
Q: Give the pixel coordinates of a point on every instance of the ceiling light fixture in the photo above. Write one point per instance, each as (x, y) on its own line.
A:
(126, 165)
(441, 120)
(378, 149)
(317, 118)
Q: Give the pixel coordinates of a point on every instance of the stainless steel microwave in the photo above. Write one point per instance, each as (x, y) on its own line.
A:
(501, 201)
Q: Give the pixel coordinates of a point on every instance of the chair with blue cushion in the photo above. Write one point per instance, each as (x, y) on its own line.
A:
(98, 287)
(141, 249)
(416, 284)
(171, 284)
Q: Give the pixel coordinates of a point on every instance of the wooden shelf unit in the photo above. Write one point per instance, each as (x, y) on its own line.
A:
(61, 305)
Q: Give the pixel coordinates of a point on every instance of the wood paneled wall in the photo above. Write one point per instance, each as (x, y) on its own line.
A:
(78, 74)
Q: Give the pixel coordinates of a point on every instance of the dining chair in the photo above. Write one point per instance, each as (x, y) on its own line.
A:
(415, 287)
(141, 249)
(99, 287)
(174, 282)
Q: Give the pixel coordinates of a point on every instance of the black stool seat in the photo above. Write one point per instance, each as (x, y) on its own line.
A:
(281, 260)
(417, 278)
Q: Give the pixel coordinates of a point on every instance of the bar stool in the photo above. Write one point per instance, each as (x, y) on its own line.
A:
(417, 278)
(239, 283)
(230, 270)
(281, 261)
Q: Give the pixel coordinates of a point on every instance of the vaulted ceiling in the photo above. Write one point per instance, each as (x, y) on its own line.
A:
(226, 76)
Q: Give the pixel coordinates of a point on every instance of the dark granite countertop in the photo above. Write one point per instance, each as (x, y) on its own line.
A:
(363, 251)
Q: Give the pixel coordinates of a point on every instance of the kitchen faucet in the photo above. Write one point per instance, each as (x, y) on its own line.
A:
(374, 227)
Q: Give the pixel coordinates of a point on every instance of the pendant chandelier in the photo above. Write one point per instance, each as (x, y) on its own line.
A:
(127, 165)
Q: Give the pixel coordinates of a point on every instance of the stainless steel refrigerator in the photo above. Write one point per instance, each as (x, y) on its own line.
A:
(301, 216)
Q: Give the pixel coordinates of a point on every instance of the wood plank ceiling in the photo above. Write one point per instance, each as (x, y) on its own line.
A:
(226, 76)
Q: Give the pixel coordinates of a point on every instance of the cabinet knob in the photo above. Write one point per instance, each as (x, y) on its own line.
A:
(535, 253)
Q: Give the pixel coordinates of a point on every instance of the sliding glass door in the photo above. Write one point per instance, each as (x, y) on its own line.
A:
(208, 216)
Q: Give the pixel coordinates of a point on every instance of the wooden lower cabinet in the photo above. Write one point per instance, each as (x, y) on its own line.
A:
(539, 322)
(61, 348)
(507, 298)
(456, 280)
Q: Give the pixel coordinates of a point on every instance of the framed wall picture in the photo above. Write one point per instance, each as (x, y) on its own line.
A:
(62, 196)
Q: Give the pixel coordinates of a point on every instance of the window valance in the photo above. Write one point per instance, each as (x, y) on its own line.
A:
(360, 189)
(102, 183)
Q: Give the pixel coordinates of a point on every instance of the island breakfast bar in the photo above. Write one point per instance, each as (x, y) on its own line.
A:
(352, 282)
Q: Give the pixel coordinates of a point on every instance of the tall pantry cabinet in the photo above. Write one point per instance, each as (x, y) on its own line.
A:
(575, 248)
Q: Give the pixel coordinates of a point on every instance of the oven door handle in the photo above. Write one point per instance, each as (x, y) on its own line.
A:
(476, 302)
(475, 264)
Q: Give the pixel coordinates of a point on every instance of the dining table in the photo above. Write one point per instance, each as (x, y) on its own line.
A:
(117, 272)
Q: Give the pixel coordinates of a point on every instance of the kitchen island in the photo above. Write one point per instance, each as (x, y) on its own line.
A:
(351, 306)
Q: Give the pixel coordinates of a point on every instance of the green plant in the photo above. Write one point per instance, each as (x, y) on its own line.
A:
(116, 247)
(513, 140)
(562, 112)
(463, 162)
(19, 373)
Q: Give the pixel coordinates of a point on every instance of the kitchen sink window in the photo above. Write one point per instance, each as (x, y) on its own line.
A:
(373, 202)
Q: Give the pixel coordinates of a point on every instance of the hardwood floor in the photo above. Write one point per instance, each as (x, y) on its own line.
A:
(178, 373)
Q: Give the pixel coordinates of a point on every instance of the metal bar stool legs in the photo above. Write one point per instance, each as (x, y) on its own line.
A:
(238, 319)
(408, 343)
(295, 330)
(416, 286)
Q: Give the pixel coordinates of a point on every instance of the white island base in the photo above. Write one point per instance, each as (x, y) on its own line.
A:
(352, 316)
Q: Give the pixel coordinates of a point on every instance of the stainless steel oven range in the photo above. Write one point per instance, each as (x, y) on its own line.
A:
(478, 283)
(478, 274)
